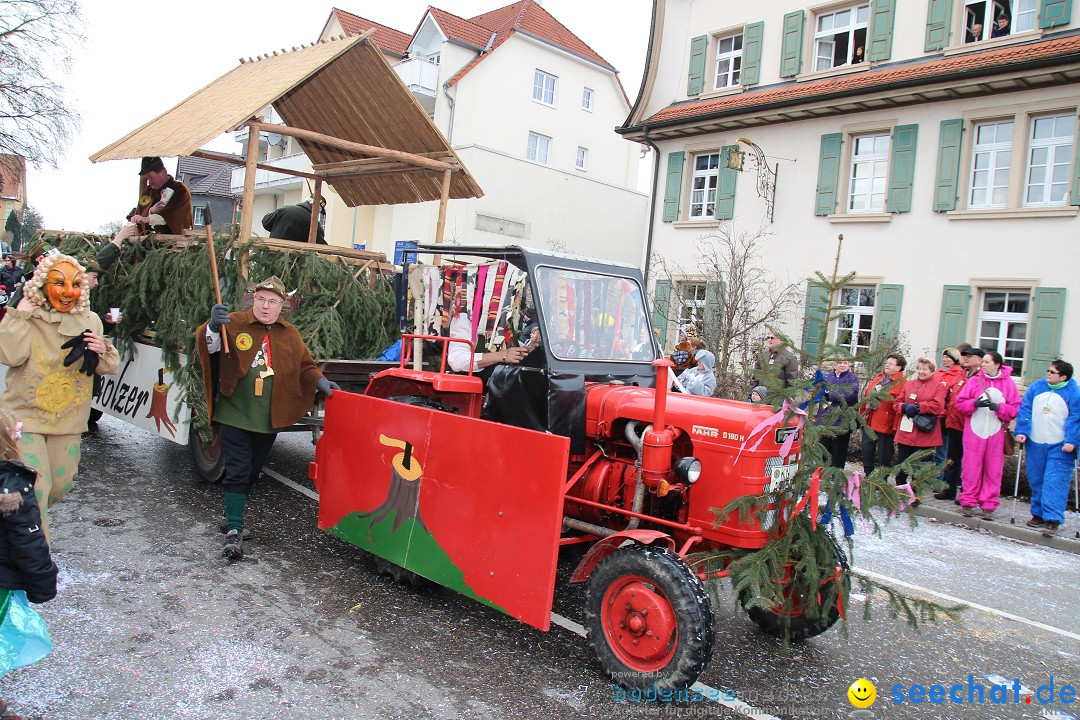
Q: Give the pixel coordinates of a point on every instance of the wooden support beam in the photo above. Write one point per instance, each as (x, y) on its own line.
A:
(234, 160)
(316, 205)
(441, 226)
(250, 161)
(362, 162)
(346, 145)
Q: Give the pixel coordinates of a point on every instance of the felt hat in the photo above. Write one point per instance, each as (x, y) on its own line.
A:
(151, 164)
(977, 352)
(274, 285)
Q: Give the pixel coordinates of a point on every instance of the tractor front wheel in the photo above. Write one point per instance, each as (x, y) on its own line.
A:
(648, 619)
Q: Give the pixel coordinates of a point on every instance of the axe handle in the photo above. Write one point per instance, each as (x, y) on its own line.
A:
(214, 272)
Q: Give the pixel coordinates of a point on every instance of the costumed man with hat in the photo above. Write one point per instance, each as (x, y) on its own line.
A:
(262, 382)
(164, 207)
(52, 344)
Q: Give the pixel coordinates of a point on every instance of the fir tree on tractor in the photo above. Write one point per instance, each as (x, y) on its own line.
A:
(799, 584)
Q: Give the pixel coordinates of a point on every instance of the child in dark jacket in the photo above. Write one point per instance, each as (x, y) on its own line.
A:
(27, 571)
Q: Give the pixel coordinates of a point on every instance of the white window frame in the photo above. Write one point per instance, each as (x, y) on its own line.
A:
(824, 40)
(858, 312)
(538, 149)
(876, 165)
(1023, 16)
(1006, 320)
(704, 197)
(732, 72)
(998, 157)
(198, 215)
(1059, 143)
(581, 161)
(692, 296)
(545, 87)
(586, 99)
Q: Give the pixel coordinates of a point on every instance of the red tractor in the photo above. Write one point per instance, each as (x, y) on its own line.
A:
(475, 482)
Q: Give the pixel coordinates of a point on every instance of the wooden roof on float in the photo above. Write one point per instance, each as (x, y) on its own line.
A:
(341, 88)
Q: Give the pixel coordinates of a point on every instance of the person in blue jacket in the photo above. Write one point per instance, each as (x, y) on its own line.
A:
(1048, 425)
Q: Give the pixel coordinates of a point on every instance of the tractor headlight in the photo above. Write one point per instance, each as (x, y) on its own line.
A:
(688, 470)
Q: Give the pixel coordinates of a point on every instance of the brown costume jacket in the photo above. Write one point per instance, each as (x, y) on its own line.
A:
(176, 214)
(295, 372)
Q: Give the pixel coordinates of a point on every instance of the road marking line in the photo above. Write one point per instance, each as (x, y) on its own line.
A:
(1001, 613)
(289, 483)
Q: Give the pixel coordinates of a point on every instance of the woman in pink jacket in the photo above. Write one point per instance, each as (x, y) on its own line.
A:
(989, 401)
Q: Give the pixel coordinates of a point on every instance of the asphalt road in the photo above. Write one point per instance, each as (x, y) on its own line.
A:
(151, 622)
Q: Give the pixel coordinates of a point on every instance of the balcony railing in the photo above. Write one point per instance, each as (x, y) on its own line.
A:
(422, 79)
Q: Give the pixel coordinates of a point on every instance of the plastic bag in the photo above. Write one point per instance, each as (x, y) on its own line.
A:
(24, 639)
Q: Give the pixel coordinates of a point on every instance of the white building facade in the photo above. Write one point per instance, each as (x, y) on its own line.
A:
(938, 136)
(530, 110)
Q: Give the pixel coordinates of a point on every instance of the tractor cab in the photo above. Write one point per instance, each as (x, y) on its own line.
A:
(581, 322)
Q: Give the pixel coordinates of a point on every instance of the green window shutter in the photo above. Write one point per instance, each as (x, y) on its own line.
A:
(1045, 331)
(1074, 194)
(828, 173)
(954, 309)
(814, 320)
(714, 308)
(1054, 12)
(879, 44)
(751, 54)
(673, 185)
(887, 311)
(938, 18)
(947, 180)
(695, 80)
(791, 48)
(725, 196)
(661, 309)
(902, 168)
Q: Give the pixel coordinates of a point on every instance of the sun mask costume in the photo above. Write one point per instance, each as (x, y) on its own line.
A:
(48, 389)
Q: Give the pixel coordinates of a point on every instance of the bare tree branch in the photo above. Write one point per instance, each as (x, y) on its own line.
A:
(751, 298)
(35, 40)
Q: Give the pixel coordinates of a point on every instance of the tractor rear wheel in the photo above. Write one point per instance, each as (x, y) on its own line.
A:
(648, 619)
(400, 575)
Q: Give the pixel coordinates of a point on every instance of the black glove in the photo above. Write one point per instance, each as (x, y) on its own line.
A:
(219, 315)
(78, 349)
(982, 402)
(326, 387)
(992, 405)
(910, 409)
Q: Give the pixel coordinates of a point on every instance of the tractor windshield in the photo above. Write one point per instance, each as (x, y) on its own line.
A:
(591, 316)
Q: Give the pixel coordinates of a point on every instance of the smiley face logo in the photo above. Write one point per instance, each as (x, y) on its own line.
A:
(862, 693)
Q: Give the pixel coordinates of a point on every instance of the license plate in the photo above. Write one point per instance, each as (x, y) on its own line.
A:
(781, 475)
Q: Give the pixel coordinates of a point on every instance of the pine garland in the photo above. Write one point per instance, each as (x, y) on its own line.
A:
(167, 288)
(797, 565)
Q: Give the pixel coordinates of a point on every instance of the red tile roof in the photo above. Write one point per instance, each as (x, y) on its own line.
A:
(528, 17)
(461, 29)
(524, 16)
(385, 37)
(988, 62)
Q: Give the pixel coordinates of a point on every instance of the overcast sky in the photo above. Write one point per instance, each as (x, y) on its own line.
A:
(142, 58)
